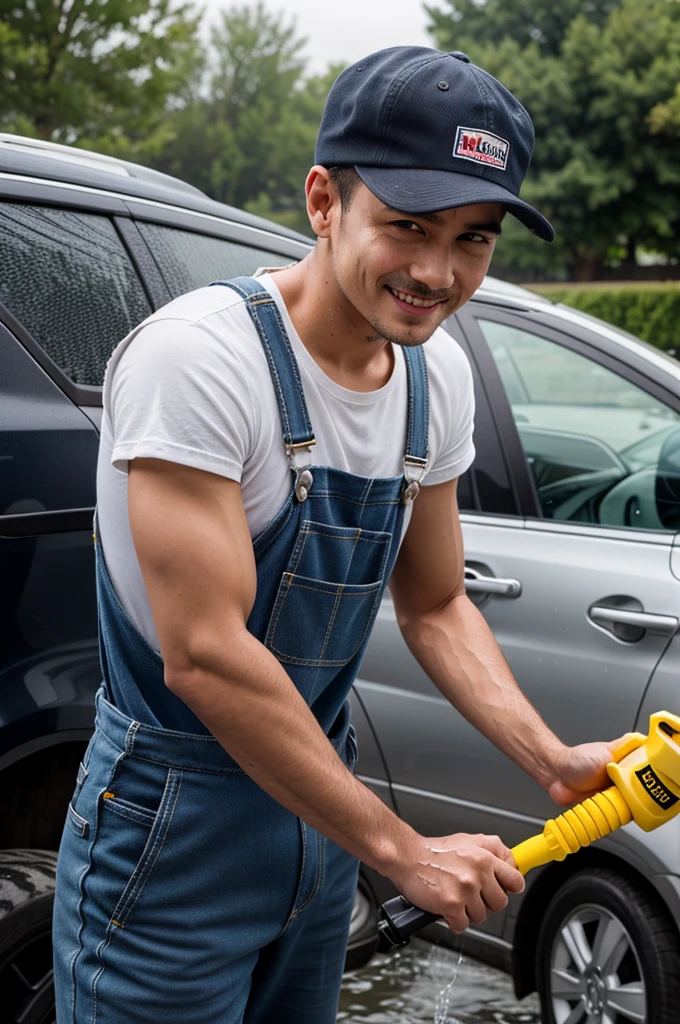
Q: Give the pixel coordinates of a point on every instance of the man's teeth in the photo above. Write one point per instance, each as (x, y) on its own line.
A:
(413, 301)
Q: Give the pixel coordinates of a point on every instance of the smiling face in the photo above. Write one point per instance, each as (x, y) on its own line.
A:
(404, 274)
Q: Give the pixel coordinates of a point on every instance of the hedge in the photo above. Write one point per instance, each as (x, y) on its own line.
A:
(650, 311)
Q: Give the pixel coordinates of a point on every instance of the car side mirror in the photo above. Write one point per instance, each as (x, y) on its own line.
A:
(667, 487)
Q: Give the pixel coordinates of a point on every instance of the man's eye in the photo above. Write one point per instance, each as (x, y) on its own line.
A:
(407, 225)
(471, 236)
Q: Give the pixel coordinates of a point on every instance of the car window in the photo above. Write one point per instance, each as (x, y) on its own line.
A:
(485, 487)
(66, 277)
(188, 260)
(593, 439)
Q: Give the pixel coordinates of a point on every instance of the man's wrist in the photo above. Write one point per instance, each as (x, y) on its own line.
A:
(389, 853)
(549, 759)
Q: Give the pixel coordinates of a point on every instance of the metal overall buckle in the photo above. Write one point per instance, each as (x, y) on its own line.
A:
(414, 471)
(303, 474)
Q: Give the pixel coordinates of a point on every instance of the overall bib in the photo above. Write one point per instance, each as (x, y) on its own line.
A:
(185, 894)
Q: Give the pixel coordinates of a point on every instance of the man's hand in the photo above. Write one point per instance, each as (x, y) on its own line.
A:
(581, 771)
(460, 877)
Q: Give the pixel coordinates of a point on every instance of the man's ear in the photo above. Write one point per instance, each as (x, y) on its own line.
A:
(323, 200)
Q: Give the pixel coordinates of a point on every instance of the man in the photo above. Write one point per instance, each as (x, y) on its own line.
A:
(209, 864)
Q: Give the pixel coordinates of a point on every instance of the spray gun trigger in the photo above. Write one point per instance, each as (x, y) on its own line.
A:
(632, 741)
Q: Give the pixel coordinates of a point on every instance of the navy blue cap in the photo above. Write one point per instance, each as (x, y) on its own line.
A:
(430, 131)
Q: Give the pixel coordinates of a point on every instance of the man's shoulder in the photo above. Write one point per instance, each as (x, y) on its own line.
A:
(207, 323)
(208, 330)
(200, 304)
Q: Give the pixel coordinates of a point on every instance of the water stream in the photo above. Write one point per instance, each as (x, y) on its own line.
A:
(434, 984)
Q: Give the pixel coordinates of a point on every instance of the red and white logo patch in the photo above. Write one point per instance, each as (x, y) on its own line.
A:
(482, 147)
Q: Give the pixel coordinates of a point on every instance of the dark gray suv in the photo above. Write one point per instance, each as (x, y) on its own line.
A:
(88, 247)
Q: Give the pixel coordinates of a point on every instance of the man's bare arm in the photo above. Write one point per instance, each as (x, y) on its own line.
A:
(195, 552)
(453, 643)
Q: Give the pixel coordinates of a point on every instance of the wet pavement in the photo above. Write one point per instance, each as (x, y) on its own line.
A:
(430, 983)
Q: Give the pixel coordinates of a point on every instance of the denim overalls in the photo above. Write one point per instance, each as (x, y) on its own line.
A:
(185, 894)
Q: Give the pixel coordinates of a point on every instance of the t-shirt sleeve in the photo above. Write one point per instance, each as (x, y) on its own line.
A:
(452, 414)
(180, 393)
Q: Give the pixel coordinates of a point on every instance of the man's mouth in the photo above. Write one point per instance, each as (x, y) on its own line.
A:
(413, 304)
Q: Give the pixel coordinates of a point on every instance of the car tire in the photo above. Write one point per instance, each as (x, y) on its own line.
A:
(27, 880)
(363, 929)
(607, 944)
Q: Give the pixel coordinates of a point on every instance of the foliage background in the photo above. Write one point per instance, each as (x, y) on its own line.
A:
(235, 112)
(101, 74)
(649, 311)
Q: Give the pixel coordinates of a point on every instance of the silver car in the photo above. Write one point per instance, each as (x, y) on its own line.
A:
(570, 517)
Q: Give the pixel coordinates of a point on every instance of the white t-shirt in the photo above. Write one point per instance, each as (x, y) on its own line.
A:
(191, 384)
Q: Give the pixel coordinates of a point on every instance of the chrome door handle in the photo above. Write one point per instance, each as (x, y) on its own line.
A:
(476, 583)
(661, 625)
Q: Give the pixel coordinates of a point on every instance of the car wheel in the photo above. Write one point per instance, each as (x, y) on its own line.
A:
(26, 898)
(363, 929)
(607, 953)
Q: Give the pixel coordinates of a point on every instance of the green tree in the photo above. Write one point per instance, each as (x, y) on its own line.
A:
(249, 139)
(664, 119)
(481, 22)
(96, 73)
(606, 165)
(288, 205)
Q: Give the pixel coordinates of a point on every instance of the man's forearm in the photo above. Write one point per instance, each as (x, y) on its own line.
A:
(458, 651)
(253, 709)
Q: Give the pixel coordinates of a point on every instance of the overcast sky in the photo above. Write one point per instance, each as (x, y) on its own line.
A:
(346, 30)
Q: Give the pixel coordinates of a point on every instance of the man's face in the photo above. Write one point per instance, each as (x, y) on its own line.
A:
(406, 273)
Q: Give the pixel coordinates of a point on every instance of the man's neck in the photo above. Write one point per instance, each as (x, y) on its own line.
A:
(339, 340)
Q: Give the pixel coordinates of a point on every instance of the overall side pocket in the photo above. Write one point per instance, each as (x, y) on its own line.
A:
(133, 813)
(159, 825)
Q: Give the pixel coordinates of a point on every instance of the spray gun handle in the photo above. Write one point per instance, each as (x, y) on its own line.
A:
(581, 825)
(399, 921)
(592, 819)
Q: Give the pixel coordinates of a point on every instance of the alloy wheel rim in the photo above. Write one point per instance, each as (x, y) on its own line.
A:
(595, 972)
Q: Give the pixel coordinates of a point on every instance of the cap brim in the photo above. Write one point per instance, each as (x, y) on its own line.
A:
(416, 190)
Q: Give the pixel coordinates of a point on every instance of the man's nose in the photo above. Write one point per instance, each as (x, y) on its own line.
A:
(434, 269)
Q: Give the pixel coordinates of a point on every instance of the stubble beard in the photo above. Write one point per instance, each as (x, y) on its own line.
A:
(404, 338)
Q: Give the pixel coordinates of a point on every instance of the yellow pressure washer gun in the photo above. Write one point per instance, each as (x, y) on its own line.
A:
(645, 771)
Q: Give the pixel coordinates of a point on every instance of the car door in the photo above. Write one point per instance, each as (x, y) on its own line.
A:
(576, 583)
(68, 292)
(598, 603)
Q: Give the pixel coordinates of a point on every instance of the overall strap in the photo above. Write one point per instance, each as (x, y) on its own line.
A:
(297, 428)
(417, 445)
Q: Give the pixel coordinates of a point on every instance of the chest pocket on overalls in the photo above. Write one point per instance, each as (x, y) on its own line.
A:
(328, 595)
